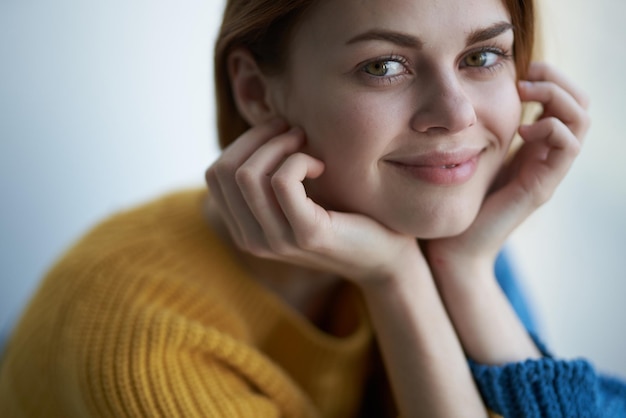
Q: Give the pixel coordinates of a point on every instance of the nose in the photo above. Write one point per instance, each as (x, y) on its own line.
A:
(443, 106)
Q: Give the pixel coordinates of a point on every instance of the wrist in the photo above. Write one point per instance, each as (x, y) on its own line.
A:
(488, 327)
(466, 268)
(392, 260)
(405, 270)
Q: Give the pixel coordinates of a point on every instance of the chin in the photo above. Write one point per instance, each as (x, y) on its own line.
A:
(436, 225)
(451, 229)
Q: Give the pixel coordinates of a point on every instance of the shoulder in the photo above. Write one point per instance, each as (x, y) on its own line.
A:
(147, 310)
(140, 270)
(153, 254)
(145, 224)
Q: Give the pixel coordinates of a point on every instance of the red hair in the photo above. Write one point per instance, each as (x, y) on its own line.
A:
(264, 26)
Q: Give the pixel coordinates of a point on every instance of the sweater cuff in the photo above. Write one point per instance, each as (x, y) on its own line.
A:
(546, 387)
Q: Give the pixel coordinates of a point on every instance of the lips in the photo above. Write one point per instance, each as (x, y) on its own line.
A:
(439, 168)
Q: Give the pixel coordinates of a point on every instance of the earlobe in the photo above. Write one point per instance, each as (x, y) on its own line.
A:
(250, 87)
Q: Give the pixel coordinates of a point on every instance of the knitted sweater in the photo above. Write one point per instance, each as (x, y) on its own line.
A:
(150, 315)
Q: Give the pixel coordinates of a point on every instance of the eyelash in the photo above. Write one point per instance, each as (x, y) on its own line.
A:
(503, 56)
(382, 60)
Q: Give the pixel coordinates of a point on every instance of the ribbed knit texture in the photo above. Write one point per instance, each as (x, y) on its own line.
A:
(549, 388)
(150, 316)
(542, 388)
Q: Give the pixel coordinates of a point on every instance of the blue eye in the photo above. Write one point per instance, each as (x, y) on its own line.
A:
(384, 68)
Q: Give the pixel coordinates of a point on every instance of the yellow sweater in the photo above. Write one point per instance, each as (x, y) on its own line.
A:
(149, 315)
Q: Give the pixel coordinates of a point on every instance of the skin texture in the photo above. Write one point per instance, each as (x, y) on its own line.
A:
(432, 101)
(317, 193)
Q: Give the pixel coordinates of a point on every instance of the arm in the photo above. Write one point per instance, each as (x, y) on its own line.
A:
(422, 354)
(270, 216)
(550, 387)
(464, 265)
(515, 376)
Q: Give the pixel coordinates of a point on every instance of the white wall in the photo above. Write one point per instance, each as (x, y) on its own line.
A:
(103, 105)
(573, 251)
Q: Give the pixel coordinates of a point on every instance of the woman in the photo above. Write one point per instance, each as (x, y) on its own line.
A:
(342, 263)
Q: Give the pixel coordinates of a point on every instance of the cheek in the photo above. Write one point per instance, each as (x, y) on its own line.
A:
(502, 112)
(348, 125)
(349, 131)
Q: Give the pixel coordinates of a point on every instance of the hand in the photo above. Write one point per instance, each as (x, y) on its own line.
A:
(257, 184)
(550, 146)
(463, 266)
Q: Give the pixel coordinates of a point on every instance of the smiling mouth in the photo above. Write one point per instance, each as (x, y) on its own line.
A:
(440, 169)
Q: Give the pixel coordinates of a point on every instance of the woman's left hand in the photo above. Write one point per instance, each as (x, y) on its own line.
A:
(550, 146)
(463, 266)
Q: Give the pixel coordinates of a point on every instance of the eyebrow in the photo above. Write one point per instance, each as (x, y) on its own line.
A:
(409, 41)
(487, 33)
(398, 38)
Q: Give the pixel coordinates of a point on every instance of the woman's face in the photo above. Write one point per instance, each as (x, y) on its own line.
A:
(411, 105)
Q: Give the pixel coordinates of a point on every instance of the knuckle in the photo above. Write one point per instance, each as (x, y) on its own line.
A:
(585, 121)
(279, 182)
(223, 168)
(281, 248)
(283, 178)
(244, 176)
(541, 197)
(539, 193)
(584, 100)
(553, 127)
(575, 147)
(554, 91)
(310, 240)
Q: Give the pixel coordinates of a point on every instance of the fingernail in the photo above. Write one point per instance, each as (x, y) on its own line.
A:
(523, 84)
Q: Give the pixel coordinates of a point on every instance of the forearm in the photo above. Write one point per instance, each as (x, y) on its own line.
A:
(484, 320)
(423, 356)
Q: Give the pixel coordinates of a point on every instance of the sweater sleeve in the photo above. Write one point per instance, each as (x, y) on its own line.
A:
(550, 387)
(547, 387)
(165, 366)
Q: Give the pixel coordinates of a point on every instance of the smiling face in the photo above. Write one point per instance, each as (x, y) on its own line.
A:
(411, 105)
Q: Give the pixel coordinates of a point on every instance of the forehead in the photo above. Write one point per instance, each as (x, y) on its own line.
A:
(336, 20)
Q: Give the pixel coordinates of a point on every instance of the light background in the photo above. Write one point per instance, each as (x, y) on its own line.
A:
(106, 104)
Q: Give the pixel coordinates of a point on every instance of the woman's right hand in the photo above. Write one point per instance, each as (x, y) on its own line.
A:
(257, 184)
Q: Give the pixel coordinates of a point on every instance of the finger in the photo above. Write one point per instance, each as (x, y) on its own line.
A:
(253, 179)
(540, 71)
(557, 103)
(305, 216)
(219, 200)
(220, 177)
(542, 162)
(244, 146)
(562, 148)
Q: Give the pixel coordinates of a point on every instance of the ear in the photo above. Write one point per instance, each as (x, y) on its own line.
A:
(250, 87)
